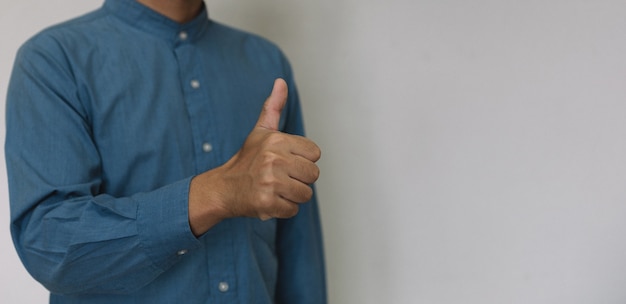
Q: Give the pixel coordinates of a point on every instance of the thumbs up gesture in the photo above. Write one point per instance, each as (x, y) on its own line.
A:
(267, 178)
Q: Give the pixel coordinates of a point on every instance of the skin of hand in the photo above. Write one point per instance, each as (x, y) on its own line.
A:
(267, 178)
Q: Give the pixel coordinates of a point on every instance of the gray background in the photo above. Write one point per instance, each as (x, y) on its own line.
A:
(473, 151)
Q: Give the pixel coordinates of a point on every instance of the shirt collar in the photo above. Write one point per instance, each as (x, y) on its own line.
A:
(146, 19)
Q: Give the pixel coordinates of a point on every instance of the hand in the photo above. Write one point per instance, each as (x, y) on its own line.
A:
(267, 178)
(272, 171)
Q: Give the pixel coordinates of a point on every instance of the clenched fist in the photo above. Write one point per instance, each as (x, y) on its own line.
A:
(267, 178)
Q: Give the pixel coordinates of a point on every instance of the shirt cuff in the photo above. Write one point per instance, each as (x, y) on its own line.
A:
(163, 224)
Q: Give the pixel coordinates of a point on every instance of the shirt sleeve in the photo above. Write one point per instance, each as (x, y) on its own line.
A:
(71, 236)
(301, 272)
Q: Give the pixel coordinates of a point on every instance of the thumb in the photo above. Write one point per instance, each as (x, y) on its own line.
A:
(274, 104)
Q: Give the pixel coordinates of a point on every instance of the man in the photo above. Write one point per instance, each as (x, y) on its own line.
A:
(145, 167)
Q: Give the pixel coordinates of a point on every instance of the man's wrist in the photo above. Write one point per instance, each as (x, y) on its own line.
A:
(205, 202)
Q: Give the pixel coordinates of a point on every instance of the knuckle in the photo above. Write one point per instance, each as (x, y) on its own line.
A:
(264, 199)
(275, 138)
(272, 159)
(268, 180)
(269, 157)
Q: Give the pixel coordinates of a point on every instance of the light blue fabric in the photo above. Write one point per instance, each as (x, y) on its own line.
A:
(108, 117)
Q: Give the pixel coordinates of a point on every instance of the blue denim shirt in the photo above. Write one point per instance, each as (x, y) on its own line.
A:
(109, 116)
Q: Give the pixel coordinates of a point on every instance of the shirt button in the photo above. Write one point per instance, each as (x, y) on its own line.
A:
(207, 147)
(183, 35)
(195, 84)
(182, 252)
(223, 286)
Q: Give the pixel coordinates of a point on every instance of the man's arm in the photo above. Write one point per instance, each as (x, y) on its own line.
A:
(71, 235)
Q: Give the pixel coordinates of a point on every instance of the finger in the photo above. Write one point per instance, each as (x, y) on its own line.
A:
(304, 170)
(306, 148)
(295, 191)
(274, 104)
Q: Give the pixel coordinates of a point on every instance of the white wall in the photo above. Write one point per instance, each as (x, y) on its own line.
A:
(474, 151)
